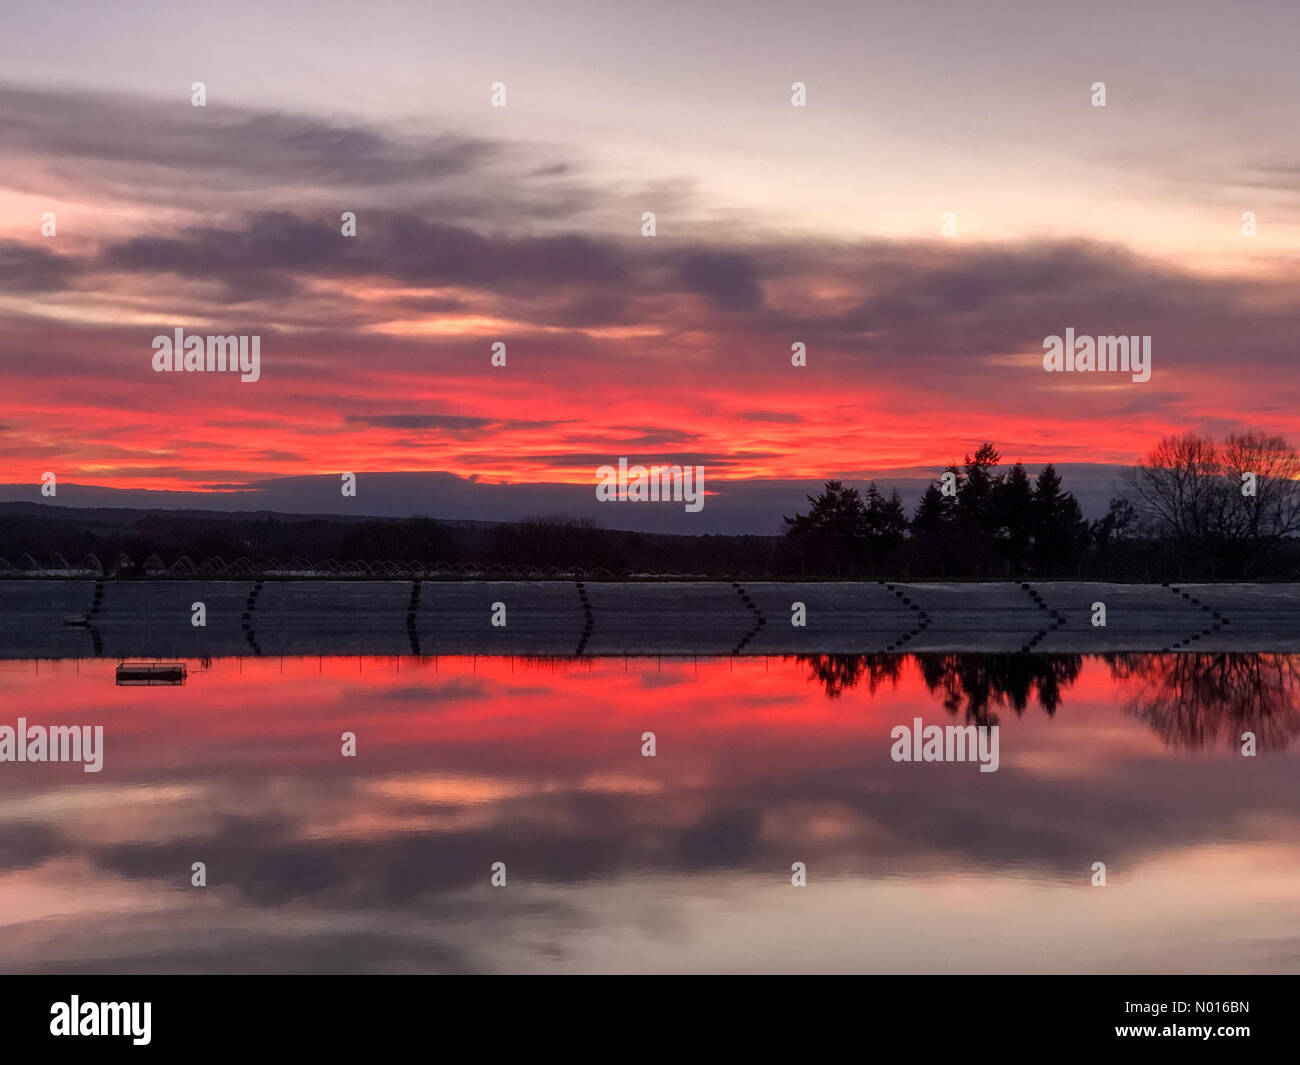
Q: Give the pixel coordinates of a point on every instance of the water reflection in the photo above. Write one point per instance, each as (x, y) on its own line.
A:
(968, 684)
(619, 862)
(1196, 701)
(1189, 700)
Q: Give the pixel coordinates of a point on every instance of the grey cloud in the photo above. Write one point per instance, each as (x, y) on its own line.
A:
(729, 279)
(421, 421)
(34, 268)
(166, 141)
(398, 246)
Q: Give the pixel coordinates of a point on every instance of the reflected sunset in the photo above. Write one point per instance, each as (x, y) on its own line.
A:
(465, 761)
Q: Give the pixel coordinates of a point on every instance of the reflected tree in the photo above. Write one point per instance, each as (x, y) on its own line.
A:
(1198, 700)
(973, 685)
(840, 673)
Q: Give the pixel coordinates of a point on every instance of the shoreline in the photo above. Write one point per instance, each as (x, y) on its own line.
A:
(161, 618)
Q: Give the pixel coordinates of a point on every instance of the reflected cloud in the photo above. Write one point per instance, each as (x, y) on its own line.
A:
(382, 862)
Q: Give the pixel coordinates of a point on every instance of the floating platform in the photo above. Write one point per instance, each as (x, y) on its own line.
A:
(151, 673)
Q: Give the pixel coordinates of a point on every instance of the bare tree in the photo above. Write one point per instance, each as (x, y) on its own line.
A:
(1173, 491)
(1260, 520)
(1195, 491)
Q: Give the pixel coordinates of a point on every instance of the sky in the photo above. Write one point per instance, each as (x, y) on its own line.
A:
(522, 224)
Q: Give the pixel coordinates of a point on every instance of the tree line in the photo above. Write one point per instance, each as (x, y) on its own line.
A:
(1195, 507)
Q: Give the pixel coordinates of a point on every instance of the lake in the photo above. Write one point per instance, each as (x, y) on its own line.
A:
(682, 862)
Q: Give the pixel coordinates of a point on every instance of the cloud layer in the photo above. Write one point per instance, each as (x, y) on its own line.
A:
(376, 349)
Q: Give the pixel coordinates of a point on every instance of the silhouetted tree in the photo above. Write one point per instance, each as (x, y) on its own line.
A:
(556, 540)
(1226, 508)
(411, 540)
(1172, 491)
(1015, 517)
(1058, 527)
(884, 524)
(1117, 525)
(831, 538)
(935, 533)
(1249, 526)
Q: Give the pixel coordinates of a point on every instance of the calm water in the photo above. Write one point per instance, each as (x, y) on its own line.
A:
(681, 862)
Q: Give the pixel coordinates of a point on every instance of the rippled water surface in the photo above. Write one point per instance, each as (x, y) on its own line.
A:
(680, 862)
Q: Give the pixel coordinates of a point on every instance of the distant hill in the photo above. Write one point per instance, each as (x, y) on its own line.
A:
(130, 516)
(42, 532)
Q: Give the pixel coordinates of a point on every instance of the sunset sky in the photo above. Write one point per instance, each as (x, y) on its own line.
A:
(522, 224)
